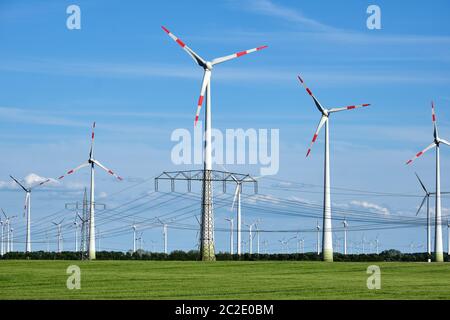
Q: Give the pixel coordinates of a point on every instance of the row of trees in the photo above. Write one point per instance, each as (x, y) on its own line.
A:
(387, 255)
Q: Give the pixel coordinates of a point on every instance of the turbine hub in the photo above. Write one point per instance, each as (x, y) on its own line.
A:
(209, 65)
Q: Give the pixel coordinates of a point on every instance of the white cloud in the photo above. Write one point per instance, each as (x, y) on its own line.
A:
(372, 206)
(269, 8)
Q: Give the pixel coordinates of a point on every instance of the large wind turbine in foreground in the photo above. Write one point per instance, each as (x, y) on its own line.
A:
(438, 249)
(92, 162)
(207, 227)
(27, 209)
(327, 240)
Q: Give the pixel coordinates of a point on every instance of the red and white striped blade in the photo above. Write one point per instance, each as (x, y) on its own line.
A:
(433, 112)
(236, 55)
(205, 82)
(107, 170)
(199, 60)
(91, 152)
(85, 164)
(316, 102)
(316, 134)
(421, 153)
(433, 118)
(349, 107)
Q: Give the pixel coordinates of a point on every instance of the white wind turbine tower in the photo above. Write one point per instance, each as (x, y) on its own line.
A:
(164, 234)
(250, 237)
(134, 227)
(12, 239)
(345, 235)
(318, 237)
(92, 162)
(438, 248)
(207, 240)
(231, 220)
(59, 236)
(237, 201)
(75, 225)
(2, 248)
(27, 209)
(327, 241)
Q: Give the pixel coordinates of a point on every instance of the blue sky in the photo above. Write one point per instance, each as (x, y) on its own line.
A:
(122, 71)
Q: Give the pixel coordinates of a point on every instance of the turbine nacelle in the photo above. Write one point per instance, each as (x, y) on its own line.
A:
(208, 65)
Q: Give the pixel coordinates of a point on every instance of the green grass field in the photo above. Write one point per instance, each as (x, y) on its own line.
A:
(21, 279)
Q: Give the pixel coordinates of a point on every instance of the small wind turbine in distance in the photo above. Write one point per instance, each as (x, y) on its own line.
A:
(438, 247)
(2, 248)
(8, 228)
(231, 221)
(164, 234)
(345, 235)
(59, 236)
(427, 199)
(27, 209)
(318, 237)
(327, 241)
(134, 227)
(207, 239)
(237, 201)
(92, 162)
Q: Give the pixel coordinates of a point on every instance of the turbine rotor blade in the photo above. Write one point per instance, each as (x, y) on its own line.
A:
(25, 189)
(205, 83)
(107, 170)
(39, 184)
(322, 121)
(235, 196)
(444, 141)
(199, 60)
(91, 152)
(421, 183)
(421, 153)
(236, 55)
(85, 164)
(316, 102)
(433, 118)
(349, 107)
(421, 205)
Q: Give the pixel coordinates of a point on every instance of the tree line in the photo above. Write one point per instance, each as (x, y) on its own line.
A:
(193, 255)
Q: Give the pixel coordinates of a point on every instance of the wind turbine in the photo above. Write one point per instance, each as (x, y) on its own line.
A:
(58, 226)
(134, 237)
(377, 244)
(250, 237)
(75, 225)
(327, 241)
(207, 240)
(345, 235)
(237, 201)
(8, 231)
(92, 162)
(2, 247)
(27, 209)
(427, 199)
(231, 220)
(164, 234)
(318, 237)
(438, 248)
